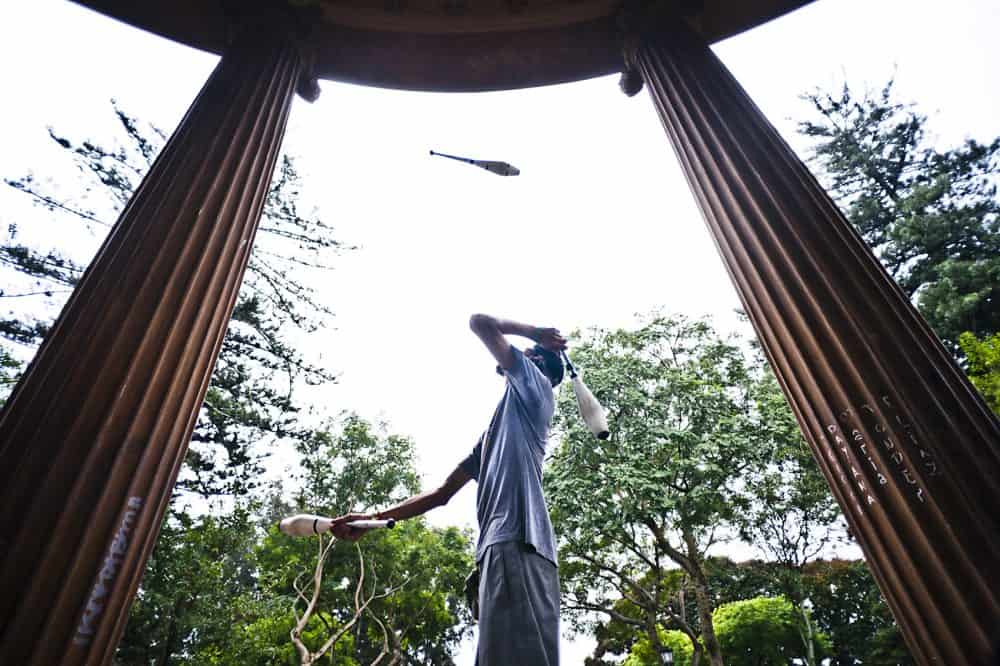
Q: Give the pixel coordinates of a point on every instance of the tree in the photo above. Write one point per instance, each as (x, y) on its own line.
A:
(309, 596)
(221, 588)
(361, 466)
(983, 358)
(251, 401)
(662, 489)
(736, 581)
(198, 571)
(352, 464)
(406, 604)
(846, 607)
(790, 513)
(849, 608)
(643, 654)
(762, 631)
(932, 217)
(845, 603)
(626, 625)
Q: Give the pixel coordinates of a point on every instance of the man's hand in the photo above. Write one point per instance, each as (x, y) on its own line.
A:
(550, 339)
(342, 530)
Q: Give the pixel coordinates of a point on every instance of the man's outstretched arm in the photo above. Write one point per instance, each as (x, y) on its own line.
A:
(408, 508)
(492, 332)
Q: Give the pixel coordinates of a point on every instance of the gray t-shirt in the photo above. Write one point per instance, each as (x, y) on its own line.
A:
(509, 500)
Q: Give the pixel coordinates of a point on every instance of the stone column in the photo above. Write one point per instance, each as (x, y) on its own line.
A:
(910, 450)
(94, 434)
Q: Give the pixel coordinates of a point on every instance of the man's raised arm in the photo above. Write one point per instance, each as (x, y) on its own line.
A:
(492, 331)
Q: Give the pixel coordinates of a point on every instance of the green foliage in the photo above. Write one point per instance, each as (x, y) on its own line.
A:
(220, 588)
(845, 606)
(643, 653)
(932, 217)
(735, 581)
(761, 631)
(663, 487)
(427, 617)
(680, 410)
(848, 607)
(983, 358)
(362, 466)
(629, 623)
(198, 569)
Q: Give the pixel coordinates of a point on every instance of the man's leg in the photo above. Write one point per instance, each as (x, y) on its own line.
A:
(518, 607)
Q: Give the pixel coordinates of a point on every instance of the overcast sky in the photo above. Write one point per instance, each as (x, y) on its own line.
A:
(599, 226)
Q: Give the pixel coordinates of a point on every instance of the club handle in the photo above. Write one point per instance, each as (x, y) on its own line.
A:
(454, 157)
(372, 524)
(569, 365)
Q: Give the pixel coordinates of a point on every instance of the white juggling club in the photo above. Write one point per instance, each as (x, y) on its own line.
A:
(590, 409)
(306, 524)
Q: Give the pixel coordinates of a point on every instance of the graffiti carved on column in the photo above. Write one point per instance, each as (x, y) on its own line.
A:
(871, 432)
(107, 574)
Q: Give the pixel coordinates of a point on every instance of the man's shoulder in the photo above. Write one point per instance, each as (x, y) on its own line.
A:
(528, 373)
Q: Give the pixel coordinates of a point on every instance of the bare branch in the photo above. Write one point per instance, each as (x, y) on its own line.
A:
(45, 292)
(52, 204)
(610, 612)
(385, 639)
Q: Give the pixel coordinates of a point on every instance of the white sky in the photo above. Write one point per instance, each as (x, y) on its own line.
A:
(600, 191)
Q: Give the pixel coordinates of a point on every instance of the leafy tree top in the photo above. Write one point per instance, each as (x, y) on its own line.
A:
(931, 216)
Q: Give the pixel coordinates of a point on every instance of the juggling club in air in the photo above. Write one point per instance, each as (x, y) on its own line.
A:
(306, 524)
(499, 168)
(590, 409)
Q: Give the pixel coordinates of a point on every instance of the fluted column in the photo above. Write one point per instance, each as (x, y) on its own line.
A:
(911, 452)
(94, 434)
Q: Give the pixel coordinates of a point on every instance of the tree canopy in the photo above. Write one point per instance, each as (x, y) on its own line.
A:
(665, 487)
(931, 216)
(983, 365)
(220, 589)
(763, 630)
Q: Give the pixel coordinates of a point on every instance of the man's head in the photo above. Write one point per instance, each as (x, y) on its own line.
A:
(547, 361)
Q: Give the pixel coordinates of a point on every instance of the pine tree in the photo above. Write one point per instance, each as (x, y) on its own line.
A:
(932, 217)
(252, 399)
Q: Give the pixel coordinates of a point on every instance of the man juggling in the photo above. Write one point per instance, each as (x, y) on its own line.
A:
(516, 553)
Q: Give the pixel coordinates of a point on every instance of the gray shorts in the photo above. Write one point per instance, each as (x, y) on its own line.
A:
(518, 607)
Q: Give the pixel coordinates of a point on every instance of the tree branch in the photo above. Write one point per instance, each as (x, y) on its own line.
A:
(615, 615)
